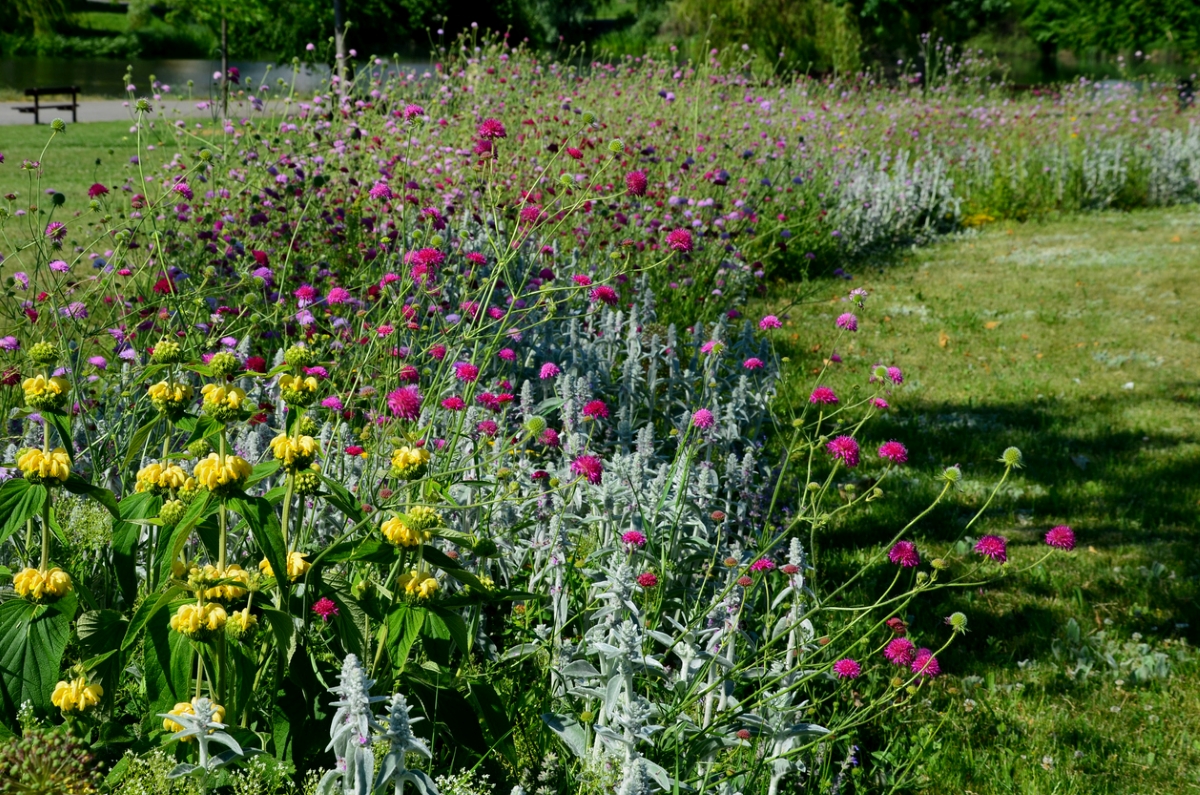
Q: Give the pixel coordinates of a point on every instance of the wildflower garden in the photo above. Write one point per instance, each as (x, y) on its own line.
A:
(528, 425)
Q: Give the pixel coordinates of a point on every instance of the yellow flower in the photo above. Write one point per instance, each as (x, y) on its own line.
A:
(294, 453)
(158, 478)
(76, 695)
(402, 535)
(297, 566)
(199, 577)
(45, 393)
(169, 398)
(222, 403)
(409, 463)
(295, 383)
(215, 473)
(42, 586)
(187, 708)
(199, 622)
(39, 467)
(242, 621)
(419, 584)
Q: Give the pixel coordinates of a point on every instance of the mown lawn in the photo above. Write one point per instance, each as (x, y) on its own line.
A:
(1076, 341)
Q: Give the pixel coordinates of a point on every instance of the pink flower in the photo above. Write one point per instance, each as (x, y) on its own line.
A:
(762, 564)
(476, 257)
(897, 625)
(59, 266)
(354, 450)
(507, 354)
(487, 428)
(845, 449)
(588, 467)
(581, 279)
(183, 189)
(1061, 537)
(745, 581)
(99, 362)
(338, 295)
(405, 402)
(604, 294)
(56, 230)
(880, 403)
(822, 394)
(429, 257)
(790, 569)
(596, 410)
(846, 668)
(703, 419)
(753, 363)
(325, 608)
(895, 374)
(465, 371)
(636, 182)
(491, 129)
(847, 321)
(305, 294)
(454, 403)
(769, 322)
(549, 437)
(926, 664)
(679, 240)
(900, 651)
(634, 538)
(380, 190)
(413, 112)
(531, 214)
(904, 554)
(994, 547)
(894, 451)
(647, 579)
(438, 352)
(332, 403)
(549, 370)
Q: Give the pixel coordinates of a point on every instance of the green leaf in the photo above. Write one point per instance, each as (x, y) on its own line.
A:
(138, 443)
(126, 535)
(62, 424)
(148, 609)
(168, 663)
(77, 485)
(340, 498)
(404, 627)
(204, 427)
(259, 516)
(260, 471)
(20, 501)
(32, 641)
(494, 716)
(455, 626)
(100, 634)
(283, 627)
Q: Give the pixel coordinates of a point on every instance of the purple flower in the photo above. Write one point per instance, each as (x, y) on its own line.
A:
(333, 403)
(900, 651)
(99, 362)
(895, 374)
(847, 669)
(10, 344)
(769, 322)
(588, 467)
(904, 554)
(994, 547)
(703, 419)
(634, 538)
(894, 451)
(925, 664)
(76, 310)
(59, 266)
(22, 278)
(845, 449)
(824, 395)
(1061, 537)
(847, 321)
(405, 402)
(549, 370)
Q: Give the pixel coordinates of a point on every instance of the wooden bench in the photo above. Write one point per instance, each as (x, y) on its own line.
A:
(37, 107)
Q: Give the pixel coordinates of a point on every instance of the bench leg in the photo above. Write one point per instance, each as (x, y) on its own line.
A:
(74, 109)
(36, 113)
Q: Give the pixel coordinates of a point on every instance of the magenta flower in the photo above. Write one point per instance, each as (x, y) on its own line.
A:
(438, 352)
(647, 579)
(405, 402)
(380, 190)
(634, 538)
(549, 370)
(56, 230)
(762, 564)
(549, 437)
(333, 403)
(894, 451)
(507, 354)
(925, 664)
(895, 374)
(847, 321)
(413, 112)
(845, 449)
(325, 608)
(994, 547)
(491, 129)
(769, 322)
(588, 467)
(465, 371)
(59, 266)
(454, 403)
(305, 294)
(753, 363)
(679, 240)
(635, 182)
(487, 428)
(99, 362)
(846, 668)
(582, 280)
(703, 419)
(604, 294)
(904, 554)
(823, 394)
(184, 190)
(879, 403)
(900, 651)
(1061, 537)
(596, 410)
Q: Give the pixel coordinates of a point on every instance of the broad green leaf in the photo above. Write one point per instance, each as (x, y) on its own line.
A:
(126, 535)
(148, 609)
(404, 627)
(260, 471)
(455, 626)
(138, 443)
(20, 501)
(168, 664)
(62, 424)
(494, 716)
(343, 500)
(259, 516)
(32, 641)
(77, 485)
(283, 628)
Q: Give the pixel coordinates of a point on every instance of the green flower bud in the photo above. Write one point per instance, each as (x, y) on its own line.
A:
(44, 353)
(142, 105)
(940, 564)
(486, 548)
(535, 425)
(957, 622)
(224, 364)
(436, 241)
(1012, 457)
(199, 448)
(171, 512)
(589, 117)
(58, 125)
(308, 482)
(308, 426)
(299, 356)
(205, 155)
(616, 146)
(952, 474)
(167, 352)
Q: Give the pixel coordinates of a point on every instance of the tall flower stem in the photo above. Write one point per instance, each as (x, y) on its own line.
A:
(45, 534)
(221, 512)
(287, 509)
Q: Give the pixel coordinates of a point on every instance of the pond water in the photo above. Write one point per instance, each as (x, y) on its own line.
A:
(100, 77)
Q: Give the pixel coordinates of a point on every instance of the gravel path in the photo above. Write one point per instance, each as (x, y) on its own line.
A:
(99, 110)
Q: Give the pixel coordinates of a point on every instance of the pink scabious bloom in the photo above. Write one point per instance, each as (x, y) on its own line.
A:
(588, 467)
(413, 112)
(99, 362)
(703, 419)
(465, 371)
(385, 330)
(769, 322)
(904, 554)
(1061, 537)
(634, 538)
(59, 266)
(895, 375)
(438, 352)
(491, 129)
(753, 363)
(604, 294)
(332, 403)
(476, 257)
(745, 581)
(994, 547)
(712, 346)
(762, 564)
(635, 182)
(325, 608)
(847, 669)
(823, 394)
(845, 449)
(596, 410)
(305, 294)
(338, 295)
(679, 240)
(925, 664)
(531, 214)
(388, 278)
(582, 280)
(354, 450)
(549, 437)
(56, 230)
(454, 403)
(880, 403)
(900, 651)
(894, 451)
(790, 569)
(647, 579)
(184, 190)
(549, 370)
(487, 428)
(847, 321)
(430, 257)
(409, 374)
(380, 190)
(507, 354)
(897, 625)
(489, 401)
(317, 371)
(405, 402)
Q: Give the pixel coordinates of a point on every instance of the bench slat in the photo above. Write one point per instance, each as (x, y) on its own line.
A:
(33, 92)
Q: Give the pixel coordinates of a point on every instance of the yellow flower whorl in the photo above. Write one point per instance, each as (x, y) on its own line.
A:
(158, 478)
(76, 695)
(202, 577)
(42, 586)
(199, 622)
(39, 467)
(45, 393)
(419, 584)
(298, 390)
(222, 403)
(215, 473)
(297, 566)
(409, 463)
(295, 453)
(170, 399)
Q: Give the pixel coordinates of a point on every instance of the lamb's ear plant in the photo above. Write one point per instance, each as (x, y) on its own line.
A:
(204, 727)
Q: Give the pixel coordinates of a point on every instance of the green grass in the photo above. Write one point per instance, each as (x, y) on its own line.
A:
(87, 153)
(1076, 341)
